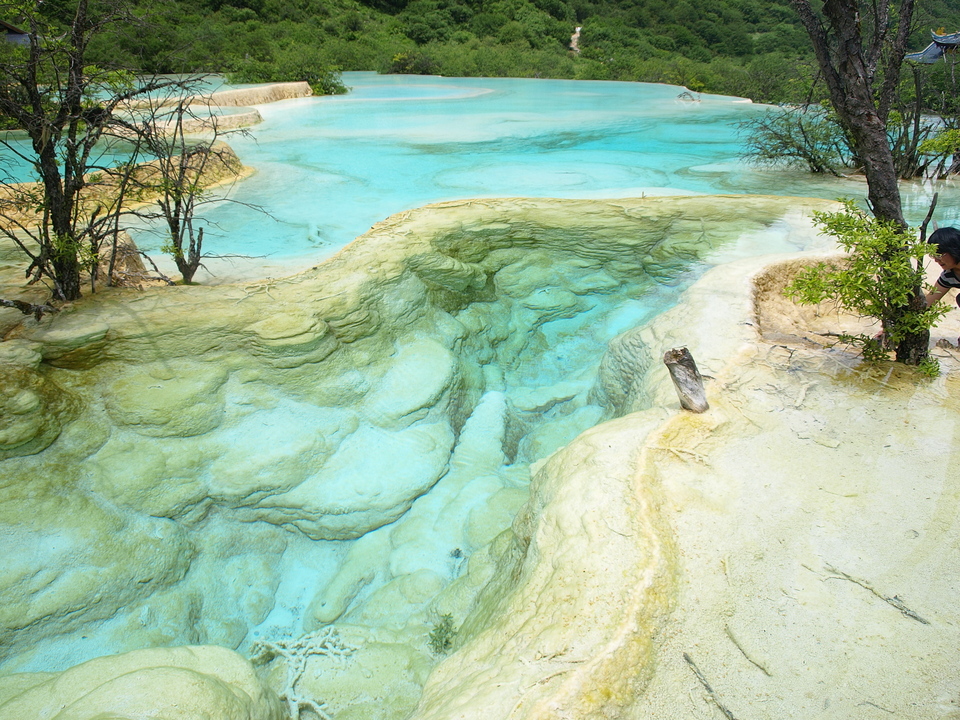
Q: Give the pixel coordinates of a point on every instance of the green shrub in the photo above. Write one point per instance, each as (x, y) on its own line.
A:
(943, 148)
(413, 63)
(442, 634)
(878, 278)
(291, 64)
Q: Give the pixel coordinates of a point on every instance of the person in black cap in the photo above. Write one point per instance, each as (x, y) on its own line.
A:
(947, 256)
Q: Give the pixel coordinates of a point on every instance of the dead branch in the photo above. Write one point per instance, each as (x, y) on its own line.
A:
(743, 652)
(38, 311)
(926, 220)
(894, 600)
(706, 686)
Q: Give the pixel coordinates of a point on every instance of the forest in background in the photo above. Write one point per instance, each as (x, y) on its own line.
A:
(751, 48)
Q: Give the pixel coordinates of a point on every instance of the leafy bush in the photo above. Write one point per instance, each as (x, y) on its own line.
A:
(415, 63)
(944, 149)
(292, 64)
(879, 278)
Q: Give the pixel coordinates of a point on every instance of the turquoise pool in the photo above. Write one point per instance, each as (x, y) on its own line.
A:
(330, 167)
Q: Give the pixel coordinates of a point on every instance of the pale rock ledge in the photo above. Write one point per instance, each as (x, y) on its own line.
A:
(794, 547)
(786, 548)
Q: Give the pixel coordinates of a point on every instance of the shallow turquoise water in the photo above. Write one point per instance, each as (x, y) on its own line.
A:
(328, 168)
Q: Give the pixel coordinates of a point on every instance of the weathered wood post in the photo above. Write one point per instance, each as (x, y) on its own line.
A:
(686, 379)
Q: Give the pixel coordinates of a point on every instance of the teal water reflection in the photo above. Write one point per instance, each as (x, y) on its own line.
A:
(328, 168)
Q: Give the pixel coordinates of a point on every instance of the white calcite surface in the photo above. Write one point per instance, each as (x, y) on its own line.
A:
(166, 683)
(816, 568)
(258, 95)
(792, 552)
(789, 553)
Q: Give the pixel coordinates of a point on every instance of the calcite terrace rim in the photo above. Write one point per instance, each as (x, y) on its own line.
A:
(554, 691)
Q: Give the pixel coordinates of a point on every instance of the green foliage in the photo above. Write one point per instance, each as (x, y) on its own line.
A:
(929, 366)
(442, 634)
(67, 247)
(736, 47)
(942, 149)
(291, 64)
(483, 58)
(878, 278)
(752, 48)
(942, 144)
(415, 63)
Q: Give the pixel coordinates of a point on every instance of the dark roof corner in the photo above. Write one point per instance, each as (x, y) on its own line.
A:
(14, 34)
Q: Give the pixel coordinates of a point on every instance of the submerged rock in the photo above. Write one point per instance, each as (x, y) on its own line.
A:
(173, 683)
(179, 399)
(290, 339)
(33, 408)
(386, 395)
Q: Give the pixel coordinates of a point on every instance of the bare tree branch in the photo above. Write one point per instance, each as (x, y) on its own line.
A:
(38, 311)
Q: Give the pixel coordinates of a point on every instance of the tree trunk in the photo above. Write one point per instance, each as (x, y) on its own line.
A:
(915, 347)
(849, 69)
(64, 253)
(883, 183)
(188, 266)
(849, 61)
(66, 272)
(686, 380)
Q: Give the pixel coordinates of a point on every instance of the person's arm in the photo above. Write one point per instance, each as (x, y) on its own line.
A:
(934, 295)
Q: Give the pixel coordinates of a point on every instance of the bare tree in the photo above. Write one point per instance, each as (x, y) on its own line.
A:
(68, 110)
(188, 157)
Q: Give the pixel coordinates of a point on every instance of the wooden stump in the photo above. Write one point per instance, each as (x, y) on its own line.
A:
(686, 379)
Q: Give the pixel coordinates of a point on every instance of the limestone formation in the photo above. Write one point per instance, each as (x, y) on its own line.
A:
(325, 404)
(32, 407)
(243, 97)
(542, 640)
(213, 448)
(262, 402)
(174, 684)
(161, 400)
